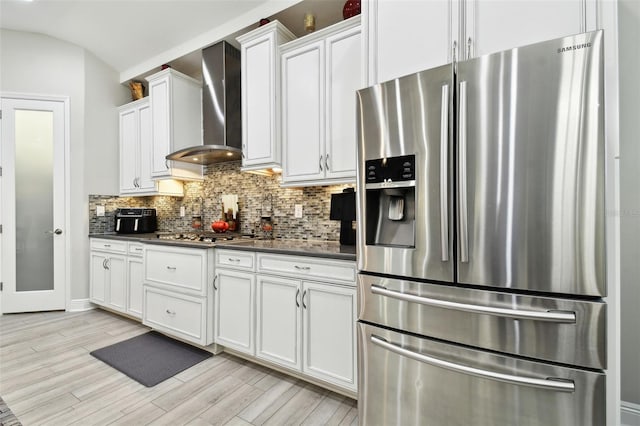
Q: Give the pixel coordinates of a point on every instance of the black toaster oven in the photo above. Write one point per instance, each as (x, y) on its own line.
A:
(136, 221)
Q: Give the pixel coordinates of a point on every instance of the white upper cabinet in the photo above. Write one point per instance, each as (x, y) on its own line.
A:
(176, 123)
(261, 95)
(406, 36)
(344, 77)
(492, 26)
(303, 112)
(320, 75)
(136, 153)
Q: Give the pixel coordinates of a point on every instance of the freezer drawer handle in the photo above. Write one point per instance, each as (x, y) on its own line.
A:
(551, 316)
(550, 383)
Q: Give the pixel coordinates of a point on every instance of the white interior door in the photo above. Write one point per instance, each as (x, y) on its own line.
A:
(33, 205)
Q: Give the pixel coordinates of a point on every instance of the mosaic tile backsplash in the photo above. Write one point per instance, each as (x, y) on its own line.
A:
(257, 196)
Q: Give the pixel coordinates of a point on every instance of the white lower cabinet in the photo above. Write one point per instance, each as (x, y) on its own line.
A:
(279, 321)
(109, 280)
(235, 299)
(308, 326)
(328, 337)
(178, 296)
(295, 312)
(136, 278)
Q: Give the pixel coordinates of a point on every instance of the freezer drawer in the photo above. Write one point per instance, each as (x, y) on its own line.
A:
(406, 380)
(560, 330)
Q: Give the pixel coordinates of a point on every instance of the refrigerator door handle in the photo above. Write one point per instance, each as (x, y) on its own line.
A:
(462, 174)
(444, 167)
(550, 383)
(568, 317)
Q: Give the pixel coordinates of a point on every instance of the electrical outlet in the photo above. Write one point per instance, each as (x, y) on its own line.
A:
(298, 210)
(100, 211)
(182, 211)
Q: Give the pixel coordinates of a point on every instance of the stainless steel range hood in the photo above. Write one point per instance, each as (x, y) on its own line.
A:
(221, 108)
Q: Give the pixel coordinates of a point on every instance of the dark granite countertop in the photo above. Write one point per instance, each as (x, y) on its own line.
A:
(314, 248)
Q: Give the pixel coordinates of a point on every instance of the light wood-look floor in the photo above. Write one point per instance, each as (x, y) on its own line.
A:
(47, 377)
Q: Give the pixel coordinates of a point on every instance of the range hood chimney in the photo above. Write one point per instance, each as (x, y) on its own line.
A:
(221, 108)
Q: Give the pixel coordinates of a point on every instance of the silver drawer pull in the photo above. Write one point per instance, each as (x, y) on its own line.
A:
(138, 249)
(550, 383)
(231, 259)
(170, 312)
(552, 316)
(302, 268)
(171, 268)
(107, 245)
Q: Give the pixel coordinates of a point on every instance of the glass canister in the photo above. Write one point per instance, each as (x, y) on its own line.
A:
(266, 227)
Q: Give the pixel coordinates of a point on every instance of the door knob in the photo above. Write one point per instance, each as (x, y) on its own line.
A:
(57, 231)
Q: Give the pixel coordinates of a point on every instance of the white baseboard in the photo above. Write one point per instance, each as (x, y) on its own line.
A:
(78, 305)
(629, 414)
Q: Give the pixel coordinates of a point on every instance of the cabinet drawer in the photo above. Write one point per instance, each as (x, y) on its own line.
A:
(235, 259)
(114, 246)
(180, 268)
(135, 249)
(177, 314)
(343, 272)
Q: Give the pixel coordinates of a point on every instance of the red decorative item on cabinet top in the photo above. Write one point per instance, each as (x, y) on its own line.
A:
(351, 8)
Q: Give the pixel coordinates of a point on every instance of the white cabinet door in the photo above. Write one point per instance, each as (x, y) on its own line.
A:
(135, 273)
(493, 26)
(329, 333)
(145, 183)
(129, 150)
(261, 99)
(406, 36)
(258, 142)
(117, 283)
(344, 77)
(160, 95)
(176, 122)
(278, 321)
(235, 294)
(303, 112)
(98, 282)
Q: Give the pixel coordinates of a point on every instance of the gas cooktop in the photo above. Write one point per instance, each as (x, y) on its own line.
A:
(204, 237)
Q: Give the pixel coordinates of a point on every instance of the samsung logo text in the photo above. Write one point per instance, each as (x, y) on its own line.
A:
(574, 47)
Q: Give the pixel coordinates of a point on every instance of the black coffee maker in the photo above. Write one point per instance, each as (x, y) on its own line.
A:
(343, 208)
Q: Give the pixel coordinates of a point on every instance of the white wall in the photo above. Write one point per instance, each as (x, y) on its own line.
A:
(36, 64)
(629, 36)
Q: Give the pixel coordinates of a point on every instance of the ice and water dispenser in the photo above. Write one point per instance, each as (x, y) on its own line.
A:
(390, 201)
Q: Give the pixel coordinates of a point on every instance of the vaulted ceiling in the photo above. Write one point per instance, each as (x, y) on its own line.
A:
(134, 36)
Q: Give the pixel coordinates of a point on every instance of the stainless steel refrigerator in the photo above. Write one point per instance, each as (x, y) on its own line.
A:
(481, 238)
